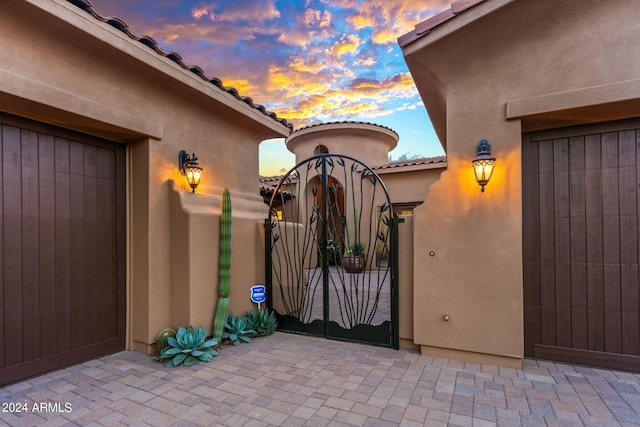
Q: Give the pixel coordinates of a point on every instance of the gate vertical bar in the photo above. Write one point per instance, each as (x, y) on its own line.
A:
(325, 261)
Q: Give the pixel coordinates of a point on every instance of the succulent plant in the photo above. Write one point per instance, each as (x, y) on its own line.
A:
(261, 321)
(236, 330)
(161, 339)
(222, 309)
(188, 347)
(355, 249)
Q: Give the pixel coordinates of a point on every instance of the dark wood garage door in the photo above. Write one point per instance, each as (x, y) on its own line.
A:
(62, 236)
(581, 246)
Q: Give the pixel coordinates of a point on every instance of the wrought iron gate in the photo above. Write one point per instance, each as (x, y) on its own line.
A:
(331, 257)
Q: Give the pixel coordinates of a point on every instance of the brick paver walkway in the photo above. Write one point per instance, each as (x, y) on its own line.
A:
(293, 380)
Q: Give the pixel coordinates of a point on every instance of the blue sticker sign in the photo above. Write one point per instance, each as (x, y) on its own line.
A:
(258, 294)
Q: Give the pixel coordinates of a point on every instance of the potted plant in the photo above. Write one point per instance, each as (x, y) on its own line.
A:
(332, 249)
(353, 260)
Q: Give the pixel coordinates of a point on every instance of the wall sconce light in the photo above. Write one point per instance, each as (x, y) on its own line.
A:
(190, 168)
(483, 163)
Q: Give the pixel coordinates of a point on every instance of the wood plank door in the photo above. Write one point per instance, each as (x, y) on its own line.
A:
(581, 244)
(62, 237)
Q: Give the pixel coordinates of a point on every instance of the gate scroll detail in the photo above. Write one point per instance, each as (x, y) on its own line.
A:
(331, 257)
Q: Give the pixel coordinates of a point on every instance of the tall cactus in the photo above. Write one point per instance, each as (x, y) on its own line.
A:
(225, 266)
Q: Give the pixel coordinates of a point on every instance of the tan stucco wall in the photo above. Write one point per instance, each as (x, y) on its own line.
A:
(60, 65)
(405, 281)
(496, 70)
(410, 184)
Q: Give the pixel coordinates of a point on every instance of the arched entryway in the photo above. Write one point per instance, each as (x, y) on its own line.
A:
(331, 254)
(335, 236)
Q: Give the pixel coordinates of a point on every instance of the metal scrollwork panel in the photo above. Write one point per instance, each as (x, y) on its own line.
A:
(331, 252)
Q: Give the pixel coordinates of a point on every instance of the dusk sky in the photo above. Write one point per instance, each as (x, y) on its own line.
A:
(309, 61)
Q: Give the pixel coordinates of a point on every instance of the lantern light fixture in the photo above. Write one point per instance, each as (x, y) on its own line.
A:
(190, 168)
(483, 163)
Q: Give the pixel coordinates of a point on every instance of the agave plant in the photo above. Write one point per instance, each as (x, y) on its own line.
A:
(189, 347)
(236, 329)
(262, 321)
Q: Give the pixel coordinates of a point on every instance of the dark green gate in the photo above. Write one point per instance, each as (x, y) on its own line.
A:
(331, 257)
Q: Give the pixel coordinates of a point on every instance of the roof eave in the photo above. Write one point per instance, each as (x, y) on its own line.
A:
(447, 22)
(113, 31)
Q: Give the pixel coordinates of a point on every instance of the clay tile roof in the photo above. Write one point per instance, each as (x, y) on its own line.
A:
(267, 189)
(264, 187)
(413, 162)
(425, 27)
(271, 179)
(345, 122)
(120, 25)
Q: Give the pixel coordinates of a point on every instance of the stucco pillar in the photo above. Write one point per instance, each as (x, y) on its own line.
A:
(468, 247)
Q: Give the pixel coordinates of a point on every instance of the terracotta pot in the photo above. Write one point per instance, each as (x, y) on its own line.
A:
(353, 264)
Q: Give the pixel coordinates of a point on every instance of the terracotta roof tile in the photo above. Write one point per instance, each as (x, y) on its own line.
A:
(268, 189)
(425, 27)
(412, 162)
(120, 25)
(273, 179)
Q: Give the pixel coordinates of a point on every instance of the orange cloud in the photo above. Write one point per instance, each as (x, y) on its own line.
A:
(389, 19)
(298, 37)
(222, 34)
(307, 101)
(312, 64)
(242, 86)
(313, 25)
(347, 44)
(365, 62)
(316, 83)
(361, 21)
(238, 11)
(258, 13)
(199, 12)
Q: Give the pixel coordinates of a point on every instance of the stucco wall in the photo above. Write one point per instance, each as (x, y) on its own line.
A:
(60, 65)
(410, 184)
(492, 72)
(405, 281)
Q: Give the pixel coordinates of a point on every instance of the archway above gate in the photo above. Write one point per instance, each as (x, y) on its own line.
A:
(331, 252)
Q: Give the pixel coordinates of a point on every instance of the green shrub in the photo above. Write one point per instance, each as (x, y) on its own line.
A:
(261, 321)
(189, 347)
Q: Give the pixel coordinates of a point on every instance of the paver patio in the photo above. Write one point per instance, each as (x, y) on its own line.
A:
(294, 380)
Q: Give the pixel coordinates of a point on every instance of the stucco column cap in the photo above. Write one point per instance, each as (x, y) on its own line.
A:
(378, 132)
